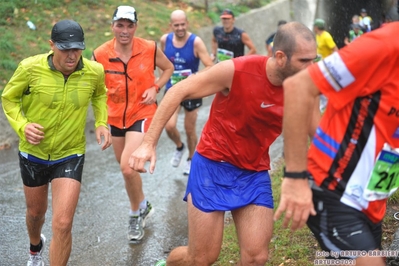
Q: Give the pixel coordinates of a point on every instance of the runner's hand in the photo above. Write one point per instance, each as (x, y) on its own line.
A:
(296, 202)
(149, 96)
(102, 133)
(34, 133)
(145, 152)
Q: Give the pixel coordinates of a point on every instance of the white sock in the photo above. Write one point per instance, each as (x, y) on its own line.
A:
(134, 213)
(143, 204)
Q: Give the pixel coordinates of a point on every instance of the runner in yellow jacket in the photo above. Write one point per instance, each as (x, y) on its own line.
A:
(46, 103)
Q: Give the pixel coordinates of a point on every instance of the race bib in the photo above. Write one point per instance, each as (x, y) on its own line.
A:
(223, 54)
(179, 75)
(383, 180)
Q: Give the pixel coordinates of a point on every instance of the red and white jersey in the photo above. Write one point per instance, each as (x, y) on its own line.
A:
(361, 82)
(242, 125)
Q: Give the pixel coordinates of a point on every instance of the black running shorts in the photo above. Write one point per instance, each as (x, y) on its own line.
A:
(340, 228)
(138, 126)
(36, 174)
(191, 105)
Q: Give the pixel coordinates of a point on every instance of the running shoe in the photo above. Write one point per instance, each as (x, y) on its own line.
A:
(36, 259)
(136, 231)
(160, 263)
(146, 213)
(176, 159)
(187, 167)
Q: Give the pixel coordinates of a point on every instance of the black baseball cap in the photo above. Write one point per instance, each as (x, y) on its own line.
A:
(227, 13)
(68, 34)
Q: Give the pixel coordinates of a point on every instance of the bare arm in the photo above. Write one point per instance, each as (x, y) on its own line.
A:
(165, 68)
(248, 42)
(163, 63)
(201, 52)
(162, 41)
(300, 96)
(316, 116)
(217, 78)
(214, 47)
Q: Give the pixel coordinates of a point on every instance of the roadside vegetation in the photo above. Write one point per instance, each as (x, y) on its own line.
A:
(18, 41)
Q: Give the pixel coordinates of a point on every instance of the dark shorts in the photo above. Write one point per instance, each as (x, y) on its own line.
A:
(138, 126)
(38, 174)
(191, 105)
(342, 229)
(221, 186)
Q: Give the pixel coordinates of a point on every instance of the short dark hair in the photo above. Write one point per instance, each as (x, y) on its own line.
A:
(285, 38)
(281, 22)
(227, 13)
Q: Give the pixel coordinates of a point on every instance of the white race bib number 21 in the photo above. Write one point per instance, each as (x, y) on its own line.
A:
(384, 178)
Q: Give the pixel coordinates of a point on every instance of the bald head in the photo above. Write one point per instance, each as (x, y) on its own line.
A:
(177, 15)
(287, 36)
(179, 24)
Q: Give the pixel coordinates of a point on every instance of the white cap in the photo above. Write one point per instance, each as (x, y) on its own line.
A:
(125, 12)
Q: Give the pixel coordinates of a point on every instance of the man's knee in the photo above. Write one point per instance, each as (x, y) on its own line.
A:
(35, 215)
(62, 225)
(170, 128)
(191, 134)
(206, 258)
(182, 256)
(189, 127)
(128, 173)
(254, 256)
(36, 212)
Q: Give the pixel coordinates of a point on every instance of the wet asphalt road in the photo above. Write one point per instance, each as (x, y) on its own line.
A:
(100, 224)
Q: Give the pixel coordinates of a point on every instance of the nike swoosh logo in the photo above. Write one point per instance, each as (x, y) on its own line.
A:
(263, 105)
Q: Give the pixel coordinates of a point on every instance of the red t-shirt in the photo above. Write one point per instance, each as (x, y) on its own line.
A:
(361, 82)
(242, 125)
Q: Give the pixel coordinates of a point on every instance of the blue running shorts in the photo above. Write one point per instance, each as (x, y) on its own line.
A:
(221, 186)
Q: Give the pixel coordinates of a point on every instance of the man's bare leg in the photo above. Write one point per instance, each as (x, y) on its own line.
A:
(65, 196)
(205, 236)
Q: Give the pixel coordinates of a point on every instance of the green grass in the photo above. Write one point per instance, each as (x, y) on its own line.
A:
(394, 199)
(17, 41)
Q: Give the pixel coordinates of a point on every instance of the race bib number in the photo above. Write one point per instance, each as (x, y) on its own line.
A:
(223, 54)
(383, 181)
(179, 75)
